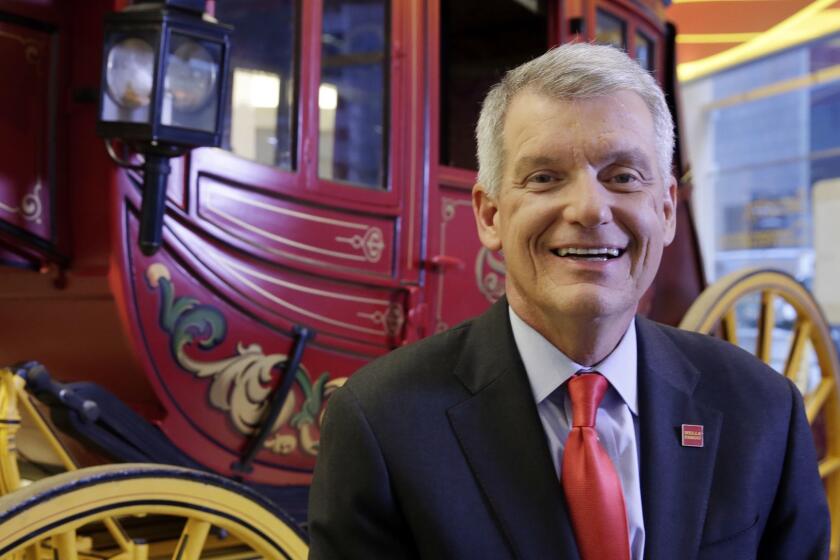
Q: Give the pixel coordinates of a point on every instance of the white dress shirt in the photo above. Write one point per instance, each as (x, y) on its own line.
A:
(616, 421)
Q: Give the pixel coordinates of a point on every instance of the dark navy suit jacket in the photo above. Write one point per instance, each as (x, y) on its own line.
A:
(437, 451)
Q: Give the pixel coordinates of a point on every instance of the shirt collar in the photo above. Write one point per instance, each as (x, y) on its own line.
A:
(548, 368)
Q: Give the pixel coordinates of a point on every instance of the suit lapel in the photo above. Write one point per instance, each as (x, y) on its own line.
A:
(675, 480)
(502, 438)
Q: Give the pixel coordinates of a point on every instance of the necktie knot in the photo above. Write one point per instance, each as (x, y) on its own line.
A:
(586, 391)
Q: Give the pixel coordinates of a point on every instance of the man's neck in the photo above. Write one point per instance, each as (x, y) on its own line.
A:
(586, 340)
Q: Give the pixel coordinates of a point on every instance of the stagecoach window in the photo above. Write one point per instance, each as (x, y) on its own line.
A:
(479, 42)
(644, 51)
(261, 122)
(353, 93)
(610, 30)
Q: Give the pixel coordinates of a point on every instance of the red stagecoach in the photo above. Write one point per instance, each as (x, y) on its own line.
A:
(333, 225)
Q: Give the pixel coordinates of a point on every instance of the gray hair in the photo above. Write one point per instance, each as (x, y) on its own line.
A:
(570, 71)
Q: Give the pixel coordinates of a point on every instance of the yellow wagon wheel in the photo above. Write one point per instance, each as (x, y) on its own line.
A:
(807, 357)
(159, 512)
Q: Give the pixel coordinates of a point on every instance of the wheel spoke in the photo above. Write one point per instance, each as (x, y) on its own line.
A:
(65, 543)
(192, 540)
(766, 324)
(828, 466)
(801, 335)
(117, 533)
(730, 326)
(815, 401)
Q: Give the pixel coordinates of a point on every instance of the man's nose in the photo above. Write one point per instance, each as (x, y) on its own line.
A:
(589, 202)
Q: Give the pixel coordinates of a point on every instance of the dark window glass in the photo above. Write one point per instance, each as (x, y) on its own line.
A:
(644, 51)
(353, 94)
(261, 122)
(479, 43)
(610, 30)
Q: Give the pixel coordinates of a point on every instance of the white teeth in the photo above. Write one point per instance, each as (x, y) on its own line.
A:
(604, 251)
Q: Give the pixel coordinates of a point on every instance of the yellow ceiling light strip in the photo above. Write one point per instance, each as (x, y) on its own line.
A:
(812, 21)
(698, 38)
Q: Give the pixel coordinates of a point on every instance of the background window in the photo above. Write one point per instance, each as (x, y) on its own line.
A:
(610, 30)
(260, 125)
(477, 47)
(353, 93)
(644, 51)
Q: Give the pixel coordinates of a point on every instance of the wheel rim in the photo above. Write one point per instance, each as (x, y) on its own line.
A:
(716, 311)
(68, 512)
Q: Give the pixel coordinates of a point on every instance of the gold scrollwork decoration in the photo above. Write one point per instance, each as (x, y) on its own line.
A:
(31, 47)
(241, 384)
(372, 243)
(448, 210)
(392, 319)
(490, 274)
(30, 207)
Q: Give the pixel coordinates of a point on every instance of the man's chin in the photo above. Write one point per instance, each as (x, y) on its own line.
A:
(593, 305)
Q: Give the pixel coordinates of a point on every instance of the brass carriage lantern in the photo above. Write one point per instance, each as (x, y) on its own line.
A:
(164, 84)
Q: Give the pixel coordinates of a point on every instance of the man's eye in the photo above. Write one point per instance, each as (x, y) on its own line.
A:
(624, 178)
(541, 178)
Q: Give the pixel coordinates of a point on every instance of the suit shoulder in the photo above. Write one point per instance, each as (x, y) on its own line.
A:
(726, 366)
(420, 362)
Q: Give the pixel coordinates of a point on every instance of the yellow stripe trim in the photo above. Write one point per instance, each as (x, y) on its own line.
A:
(695, 38)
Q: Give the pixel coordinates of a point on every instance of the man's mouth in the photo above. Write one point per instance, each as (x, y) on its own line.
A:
(589, 253)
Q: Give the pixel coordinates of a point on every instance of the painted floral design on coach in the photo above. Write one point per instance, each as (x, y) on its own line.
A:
(490, 274)
(241, 384)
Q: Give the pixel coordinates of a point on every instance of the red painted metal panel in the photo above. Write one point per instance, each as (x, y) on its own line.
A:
(357, 317)
(289, 230)
(26, 146)
(469, 277)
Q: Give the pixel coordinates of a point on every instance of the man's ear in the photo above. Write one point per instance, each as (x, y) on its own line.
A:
(669, 210)
(486, 217)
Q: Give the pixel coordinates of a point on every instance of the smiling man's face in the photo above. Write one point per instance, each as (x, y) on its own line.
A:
(582, 214)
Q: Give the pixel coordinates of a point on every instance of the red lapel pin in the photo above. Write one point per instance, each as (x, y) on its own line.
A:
(692, 435)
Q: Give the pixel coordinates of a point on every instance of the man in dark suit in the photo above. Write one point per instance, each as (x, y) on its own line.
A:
(558, 424)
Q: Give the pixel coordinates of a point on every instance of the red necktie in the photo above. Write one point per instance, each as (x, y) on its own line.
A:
(592, 487)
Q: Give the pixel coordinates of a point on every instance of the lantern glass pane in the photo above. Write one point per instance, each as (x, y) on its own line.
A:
(191, 83)
(129, 78)
(353, 93)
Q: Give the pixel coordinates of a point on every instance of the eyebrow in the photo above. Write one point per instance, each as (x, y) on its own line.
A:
(529, 162)
(626, 156)
(632, 156)
(622, 156)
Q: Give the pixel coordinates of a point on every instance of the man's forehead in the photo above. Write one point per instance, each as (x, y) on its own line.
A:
(619, 102)
(621, 111)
